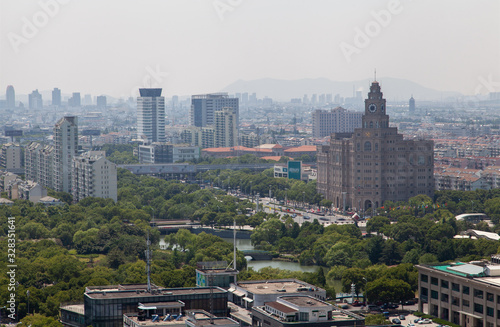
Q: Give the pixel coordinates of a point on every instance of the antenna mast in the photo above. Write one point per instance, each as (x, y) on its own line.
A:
(148, 263)
(234, 249)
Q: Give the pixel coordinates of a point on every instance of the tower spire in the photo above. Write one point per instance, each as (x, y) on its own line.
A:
(375, 75)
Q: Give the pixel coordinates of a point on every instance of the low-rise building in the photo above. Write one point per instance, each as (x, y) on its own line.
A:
(302, 311)
(104, 306)
(465, 294)
(256, 293)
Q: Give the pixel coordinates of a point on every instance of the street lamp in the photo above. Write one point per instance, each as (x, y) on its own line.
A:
(343, 202)
(28, 295)
(303, 199)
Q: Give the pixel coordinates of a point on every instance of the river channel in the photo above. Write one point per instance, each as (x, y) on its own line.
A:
(246, 244)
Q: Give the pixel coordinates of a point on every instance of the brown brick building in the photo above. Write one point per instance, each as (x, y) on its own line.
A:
(374, 164)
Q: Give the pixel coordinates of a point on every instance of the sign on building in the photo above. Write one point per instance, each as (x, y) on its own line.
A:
(295, 169)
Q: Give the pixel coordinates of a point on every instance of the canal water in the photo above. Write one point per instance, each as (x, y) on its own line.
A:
(246, 244)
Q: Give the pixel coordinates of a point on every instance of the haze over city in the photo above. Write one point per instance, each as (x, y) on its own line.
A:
(189, 47)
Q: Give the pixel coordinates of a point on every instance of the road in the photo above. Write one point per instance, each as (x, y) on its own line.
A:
(302, 215)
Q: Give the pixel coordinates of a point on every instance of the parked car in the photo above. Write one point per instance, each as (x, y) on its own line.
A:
(424, 321)
(358, 303)
(402, 317)
(396, 321)
(372, 307)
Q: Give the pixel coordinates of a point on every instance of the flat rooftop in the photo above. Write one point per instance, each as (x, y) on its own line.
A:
(305, 301)
(117, 293)
(76, 308)
(460, 269)
(276, 286)
(159, 323)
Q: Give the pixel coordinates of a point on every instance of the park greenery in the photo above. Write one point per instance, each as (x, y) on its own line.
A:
(63, 249)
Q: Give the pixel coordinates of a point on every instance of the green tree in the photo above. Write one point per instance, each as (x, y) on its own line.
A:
(377, 224)
(388, 290)
(38, 320)
(376, 320)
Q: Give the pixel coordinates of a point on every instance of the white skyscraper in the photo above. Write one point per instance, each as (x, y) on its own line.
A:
(151, 115)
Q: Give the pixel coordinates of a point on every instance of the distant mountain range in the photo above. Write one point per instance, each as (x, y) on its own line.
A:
(394, 89)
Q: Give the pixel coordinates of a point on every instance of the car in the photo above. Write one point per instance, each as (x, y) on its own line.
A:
(358, 303)
(307, 217)
(372, 307)
(410, 325)
(417, 320)
(396, 321)
(424, 321)
(402, 317)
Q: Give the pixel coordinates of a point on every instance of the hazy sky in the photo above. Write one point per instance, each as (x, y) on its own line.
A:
(197, 46)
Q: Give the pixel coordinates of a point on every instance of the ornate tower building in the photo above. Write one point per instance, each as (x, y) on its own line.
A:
(374, 164)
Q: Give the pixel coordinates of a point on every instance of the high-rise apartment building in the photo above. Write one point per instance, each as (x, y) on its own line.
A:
(56, 97)
(338, 120)
(226, 132)
(93, 175)
(204, 106)
(35, 100)
(39, 164)
(374, 164)
(10, 156)
(151, 115)
(66, 147)
(10, 97)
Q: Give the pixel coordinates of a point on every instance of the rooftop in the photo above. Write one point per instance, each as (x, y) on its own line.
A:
(304, 301)
(281, 307)
(76, 308)
(276, 286)
(140, 291)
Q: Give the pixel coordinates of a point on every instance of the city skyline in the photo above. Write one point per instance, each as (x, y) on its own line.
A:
(192, 47)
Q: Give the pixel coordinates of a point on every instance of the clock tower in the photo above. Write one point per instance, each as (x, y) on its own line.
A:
(375, 110)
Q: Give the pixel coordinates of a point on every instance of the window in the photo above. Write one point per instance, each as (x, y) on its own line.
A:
(490, 311)
(368, 146)
(434, 294)
(444, 283)
(465, 289)
(444, 297)
(465, 303)
(490, 297)
(478, 307)
(455, 287)
(478, 294)
(455, 301)
(434, 281)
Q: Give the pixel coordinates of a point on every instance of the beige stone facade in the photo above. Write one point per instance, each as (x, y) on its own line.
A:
(374, 164)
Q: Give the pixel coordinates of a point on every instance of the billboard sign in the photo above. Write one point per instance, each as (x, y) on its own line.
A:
(14, 132)
(295, 169)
